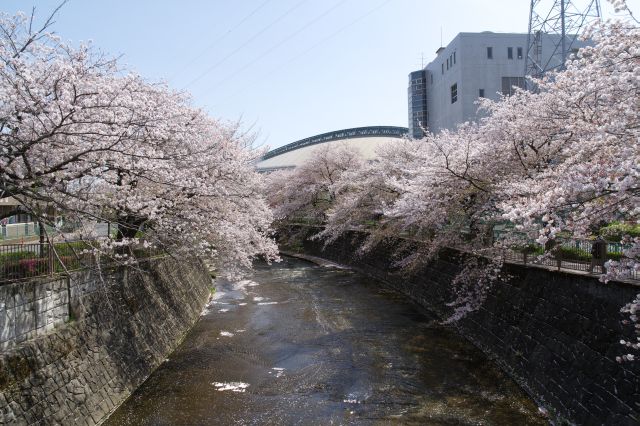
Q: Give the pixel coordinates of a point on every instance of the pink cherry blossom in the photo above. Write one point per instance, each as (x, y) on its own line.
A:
(102, 144)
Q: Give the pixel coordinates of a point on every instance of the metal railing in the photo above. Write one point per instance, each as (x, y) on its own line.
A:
(572, 254)
(22, 261)
(568, 253)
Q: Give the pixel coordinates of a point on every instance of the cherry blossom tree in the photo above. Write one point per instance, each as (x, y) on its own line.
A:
(366, 192)
(436, 193)
(307, 192)
(562, 159)
(437, 190)
(592, 116)
(101, 144)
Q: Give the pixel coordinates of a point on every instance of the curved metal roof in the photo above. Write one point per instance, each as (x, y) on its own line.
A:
(356, 132)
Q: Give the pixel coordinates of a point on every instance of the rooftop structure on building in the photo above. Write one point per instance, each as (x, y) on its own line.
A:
(474, 65)
(364, 139)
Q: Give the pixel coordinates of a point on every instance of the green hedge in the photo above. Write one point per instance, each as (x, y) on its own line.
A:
(68, 249)
(14, 257)
(572, 253)
(616, 230)
(531, 249)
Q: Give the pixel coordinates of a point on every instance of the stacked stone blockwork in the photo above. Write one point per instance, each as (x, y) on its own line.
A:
(74, 348)
(32, 309)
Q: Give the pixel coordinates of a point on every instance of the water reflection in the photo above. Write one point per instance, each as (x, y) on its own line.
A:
(301, 344)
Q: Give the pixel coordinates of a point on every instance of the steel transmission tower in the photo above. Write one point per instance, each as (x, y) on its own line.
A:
(554, 25)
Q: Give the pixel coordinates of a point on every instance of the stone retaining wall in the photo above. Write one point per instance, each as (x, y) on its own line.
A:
(555, 333)
(31, 309)
(92, 338)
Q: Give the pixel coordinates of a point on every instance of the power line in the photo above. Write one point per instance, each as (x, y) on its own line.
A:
(255, 36)
(280, 43)
(295, 58)
(219, 39)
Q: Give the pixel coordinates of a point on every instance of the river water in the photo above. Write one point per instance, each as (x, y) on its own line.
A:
(310, 345)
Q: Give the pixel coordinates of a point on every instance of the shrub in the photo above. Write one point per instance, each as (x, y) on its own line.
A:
(616, 230)
(68, 249)
(34, 266)
(531, 249)
(574, 253)
(15, 257)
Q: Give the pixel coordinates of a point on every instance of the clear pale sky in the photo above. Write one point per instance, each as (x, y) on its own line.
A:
(289, 68)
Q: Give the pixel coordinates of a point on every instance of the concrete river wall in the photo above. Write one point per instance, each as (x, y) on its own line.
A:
(556, 333)
(73, 348)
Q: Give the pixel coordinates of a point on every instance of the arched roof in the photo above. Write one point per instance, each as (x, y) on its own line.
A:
(292, 154)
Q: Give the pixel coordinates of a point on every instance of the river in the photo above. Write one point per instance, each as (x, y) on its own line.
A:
(303, 344)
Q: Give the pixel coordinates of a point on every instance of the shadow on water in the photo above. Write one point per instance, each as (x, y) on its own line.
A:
(302, 344)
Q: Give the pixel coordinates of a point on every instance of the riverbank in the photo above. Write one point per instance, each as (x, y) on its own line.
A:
(555, 333)
(112, 329)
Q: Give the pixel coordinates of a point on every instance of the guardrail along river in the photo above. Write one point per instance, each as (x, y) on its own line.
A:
(303, 344)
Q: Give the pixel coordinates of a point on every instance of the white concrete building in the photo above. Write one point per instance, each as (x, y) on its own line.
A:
(473, 65)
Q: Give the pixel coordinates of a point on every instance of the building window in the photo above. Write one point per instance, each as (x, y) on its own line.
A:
(454, 57)
(442, 68)
(447, 63)
(489, 52)
(510, 83)
(431, 75)
(509, 52)
(519, 52)
(481, 93)
(454, 93)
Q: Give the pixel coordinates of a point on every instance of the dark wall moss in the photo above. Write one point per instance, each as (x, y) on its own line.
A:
(125, 323)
